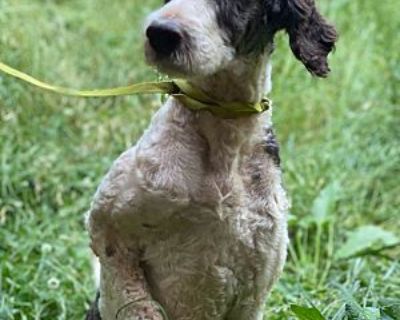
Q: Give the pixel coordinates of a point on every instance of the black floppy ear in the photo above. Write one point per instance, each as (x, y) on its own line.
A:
(311, 37)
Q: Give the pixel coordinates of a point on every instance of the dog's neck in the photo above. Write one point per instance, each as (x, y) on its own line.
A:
(244, 80)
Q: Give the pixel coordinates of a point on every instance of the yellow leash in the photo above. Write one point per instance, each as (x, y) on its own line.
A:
(167, 87)
(182, 90)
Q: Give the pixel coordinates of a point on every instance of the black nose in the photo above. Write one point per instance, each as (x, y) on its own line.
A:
(164, 37)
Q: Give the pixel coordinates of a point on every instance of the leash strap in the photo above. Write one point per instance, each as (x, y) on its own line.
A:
(182, 90)
(166, 87)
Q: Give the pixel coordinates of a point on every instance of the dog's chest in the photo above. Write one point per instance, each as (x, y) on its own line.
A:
(221, 223)
(207, 217)
(208, 259)
(205, 185)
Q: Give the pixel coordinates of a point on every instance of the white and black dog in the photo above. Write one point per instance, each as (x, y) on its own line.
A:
(191, 222)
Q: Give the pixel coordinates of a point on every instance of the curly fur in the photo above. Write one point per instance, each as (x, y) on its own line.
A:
(311, 37)
(192, 219)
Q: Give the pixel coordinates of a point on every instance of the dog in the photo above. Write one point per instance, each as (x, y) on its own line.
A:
(190, 223)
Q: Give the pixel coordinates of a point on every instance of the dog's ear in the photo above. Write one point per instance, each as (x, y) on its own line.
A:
(311, 37)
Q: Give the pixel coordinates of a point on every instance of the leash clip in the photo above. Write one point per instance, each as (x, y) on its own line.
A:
(266, 103)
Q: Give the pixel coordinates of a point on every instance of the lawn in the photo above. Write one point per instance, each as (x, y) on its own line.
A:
(339, 143)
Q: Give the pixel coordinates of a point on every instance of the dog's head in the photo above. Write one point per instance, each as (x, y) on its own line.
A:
(200, 37)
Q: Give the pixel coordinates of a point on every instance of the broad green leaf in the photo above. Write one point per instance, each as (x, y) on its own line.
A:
(324, 204)
(367, 239)
(304, 313)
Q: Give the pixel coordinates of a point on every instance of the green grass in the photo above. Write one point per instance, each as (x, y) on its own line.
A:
(340, 150)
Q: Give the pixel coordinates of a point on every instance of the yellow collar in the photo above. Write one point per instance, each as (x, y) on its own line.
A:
(182, 90)
(194, 99)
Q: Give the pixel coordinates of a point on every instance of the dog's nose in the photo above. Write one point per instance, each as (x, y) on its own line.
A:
(164, 37)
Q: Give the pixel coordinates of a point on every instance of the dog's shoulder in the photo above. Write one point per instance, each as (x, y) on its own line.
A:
(117, 182)
(262, 175)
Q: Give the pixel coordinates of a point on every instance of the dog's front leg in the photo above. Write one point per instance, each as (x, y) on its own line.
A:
(124, 293)
(123, 290)
(112, 223)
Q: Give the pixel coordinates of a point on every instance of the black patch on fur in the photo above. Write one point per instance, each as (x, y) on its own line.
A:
(271, 146)
(311, 37)
(241, 21)
(94, 313)
(109, 251)
(256, 177)
(250, 26)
